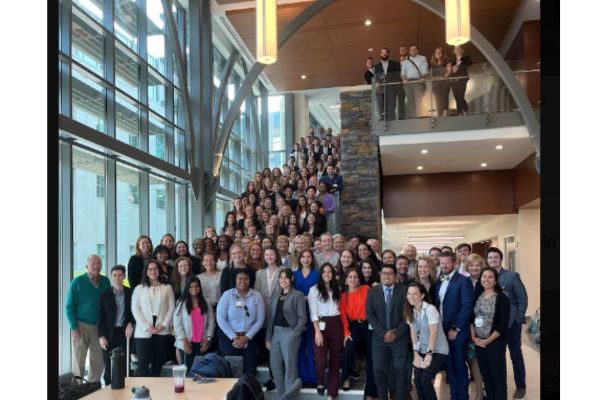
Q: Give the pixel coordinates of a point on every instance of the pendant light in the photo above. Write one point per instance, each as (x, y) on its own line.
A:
(266, 31)
(458, 22)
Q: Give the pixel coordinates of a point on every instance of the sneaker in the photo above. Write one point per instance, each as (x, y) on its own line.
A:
(519, 394)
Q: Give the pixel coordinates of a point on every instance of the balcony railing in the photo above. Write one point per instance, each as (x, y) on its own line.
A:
(436, 103)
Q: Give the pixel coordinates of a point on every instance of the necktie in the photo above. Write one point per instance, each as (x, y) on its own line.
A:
(388, 308)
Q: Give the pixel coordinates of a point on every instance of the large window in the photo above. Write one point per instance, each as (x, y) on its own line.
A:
(128, 212)
(89, 208)
(277, 144)
(158, 208)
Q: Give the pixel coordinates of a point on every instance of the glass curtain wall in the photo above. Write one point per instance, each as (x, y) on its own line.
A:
(277, 143)
(117, 78)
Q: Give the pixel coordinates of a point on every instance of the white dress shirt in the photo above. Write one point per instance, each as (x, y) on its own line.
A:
(318, 307)
(409, 71)
(442, 292)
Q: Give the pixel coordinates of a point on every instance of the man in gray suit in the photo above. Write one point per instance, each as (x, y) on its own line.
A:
(513, 287)
(385, 304)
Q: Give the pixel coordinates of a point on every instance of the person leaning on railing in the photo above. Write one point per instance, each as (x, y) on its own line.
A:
(441, 68)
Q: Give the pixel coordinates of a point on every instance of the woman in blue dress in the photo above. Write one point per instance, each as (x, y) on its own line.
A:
(304, 278)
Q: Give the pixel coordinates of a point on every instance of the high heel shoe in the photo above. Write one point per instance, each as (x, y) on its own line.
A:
(346, 385)
(320, 390)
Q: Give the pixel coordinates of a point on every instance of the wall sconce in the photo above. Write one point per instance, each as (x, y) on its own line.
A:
(266, 31)
(458, 22)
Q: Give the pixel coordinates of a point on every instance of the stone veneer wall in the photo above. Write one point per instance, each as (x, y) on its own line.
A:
(361, 198)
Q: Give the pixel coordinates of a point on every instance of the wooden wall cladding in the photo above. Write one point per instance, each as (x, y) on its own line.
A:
(461, 193)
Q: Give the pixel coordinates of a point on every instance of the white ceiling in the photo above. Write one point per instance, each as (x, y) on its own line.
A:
(454, 151)
(426, 232)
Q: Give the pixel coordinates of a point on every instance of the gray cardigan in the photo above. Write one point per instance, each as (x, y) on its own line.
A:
(294, 311)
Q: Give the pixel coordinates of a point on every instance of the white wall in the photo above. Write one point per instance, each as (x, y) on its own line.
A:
(528, 255)
(497, 226)
(526, 227)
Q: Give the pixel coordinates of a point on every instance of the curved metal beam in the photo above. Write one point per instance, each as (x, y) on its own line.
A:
(252, 76)
(185, 95)
(507, 76)
(225, 75)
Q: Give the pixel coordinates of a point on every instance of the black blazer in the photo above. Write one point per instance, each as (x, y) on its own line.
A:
(108, 312)
(369, 77)
(501, 315)
(135, 267)
(463, 67)
(228, 278)
(393, 72)
(376, 313)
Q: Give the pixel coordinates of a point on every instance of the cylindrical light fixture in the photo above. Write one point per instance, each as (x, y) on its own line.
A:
(266, 31)
(458, 22)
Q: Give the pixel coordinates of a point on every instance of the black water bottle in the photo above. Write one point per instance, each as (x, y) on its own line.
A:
(117, 368)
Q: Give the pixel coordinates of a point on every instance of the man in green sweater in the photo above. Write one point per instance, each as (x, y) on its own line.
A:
(82, 305)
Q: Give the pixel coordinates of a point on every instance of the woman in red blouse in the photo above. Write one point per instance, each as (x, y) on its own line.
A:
(357, 333)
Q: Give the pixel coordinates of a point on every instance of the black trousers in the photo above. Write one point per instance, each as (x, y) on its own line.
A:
(383, 354)
(492, 363)
(401, 96)
(459, 87)
(250, 353)
(152, 354)
(117, 340)
(361, 339)
(424, 377)
(386, 101)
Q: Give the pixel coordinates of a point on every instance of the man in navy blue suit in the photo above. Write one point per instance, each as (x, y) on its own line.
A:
(454, 299)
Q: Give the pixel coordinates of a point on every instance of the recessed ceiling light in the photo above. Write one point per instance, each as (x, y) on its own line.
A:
(303, 76)
(484, 164)
(370, 49)
(424, 151)
(368, 22)
(499, 147)
(420, 168)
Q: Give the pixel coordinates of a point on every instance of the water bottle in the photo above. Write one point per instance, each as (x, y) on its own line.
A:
(117, 368)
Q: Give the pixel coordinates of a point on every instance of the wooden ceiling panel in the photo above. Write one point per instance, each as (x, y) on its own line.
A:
(295, 70)
(331, 48)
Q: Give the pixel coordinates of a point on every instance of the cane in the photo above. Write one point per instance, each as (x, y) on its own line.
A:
(127, 358)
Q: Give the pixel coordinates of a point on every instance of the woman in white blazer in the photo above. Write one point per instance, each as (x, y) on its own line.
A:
(194, 322)
(152, 305)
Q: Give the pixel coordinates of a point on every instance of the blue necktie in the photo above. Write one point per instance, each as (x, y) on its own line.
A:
(388, 308)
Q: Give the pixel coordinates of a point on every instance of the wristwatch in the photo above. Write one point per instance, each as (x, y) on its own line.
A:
(429, 351)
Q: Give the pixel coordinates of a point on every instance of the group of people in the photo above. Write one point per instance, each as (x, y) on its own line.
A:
(401, 84)
(276, 284)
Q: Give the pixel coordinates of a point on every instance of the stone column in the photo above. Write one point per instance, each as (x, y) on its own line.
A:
(361, 198)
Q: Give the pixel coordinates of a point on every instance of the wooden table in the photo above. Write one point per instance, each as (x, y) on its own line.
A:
(163, 389)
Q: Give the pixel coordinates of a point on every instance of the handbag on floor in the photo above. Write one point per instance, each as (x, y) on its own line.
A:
(246, 388)
(76, 389)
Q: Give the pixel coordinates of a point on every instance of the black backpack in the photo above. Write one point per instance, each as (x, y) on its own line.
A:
(76, 389)
(246, 388)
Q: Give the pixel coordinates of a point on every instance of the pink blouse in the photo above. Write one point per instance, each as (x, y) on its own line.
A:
(197, 325)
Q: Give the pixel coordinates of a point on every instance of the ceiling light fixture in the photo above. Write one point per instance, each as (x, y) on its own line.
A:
(484, 165)
(499, 147)
(368, 22)
(303, 76)
(370, 49)
(420, 168)
(458, 22)
(266, 31)
(424, 151)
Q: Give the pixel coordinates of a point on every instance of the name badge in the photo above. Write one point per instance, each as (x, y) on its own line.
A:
(478, 322)
(370, 327)
(321, 325)
(238, 303)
